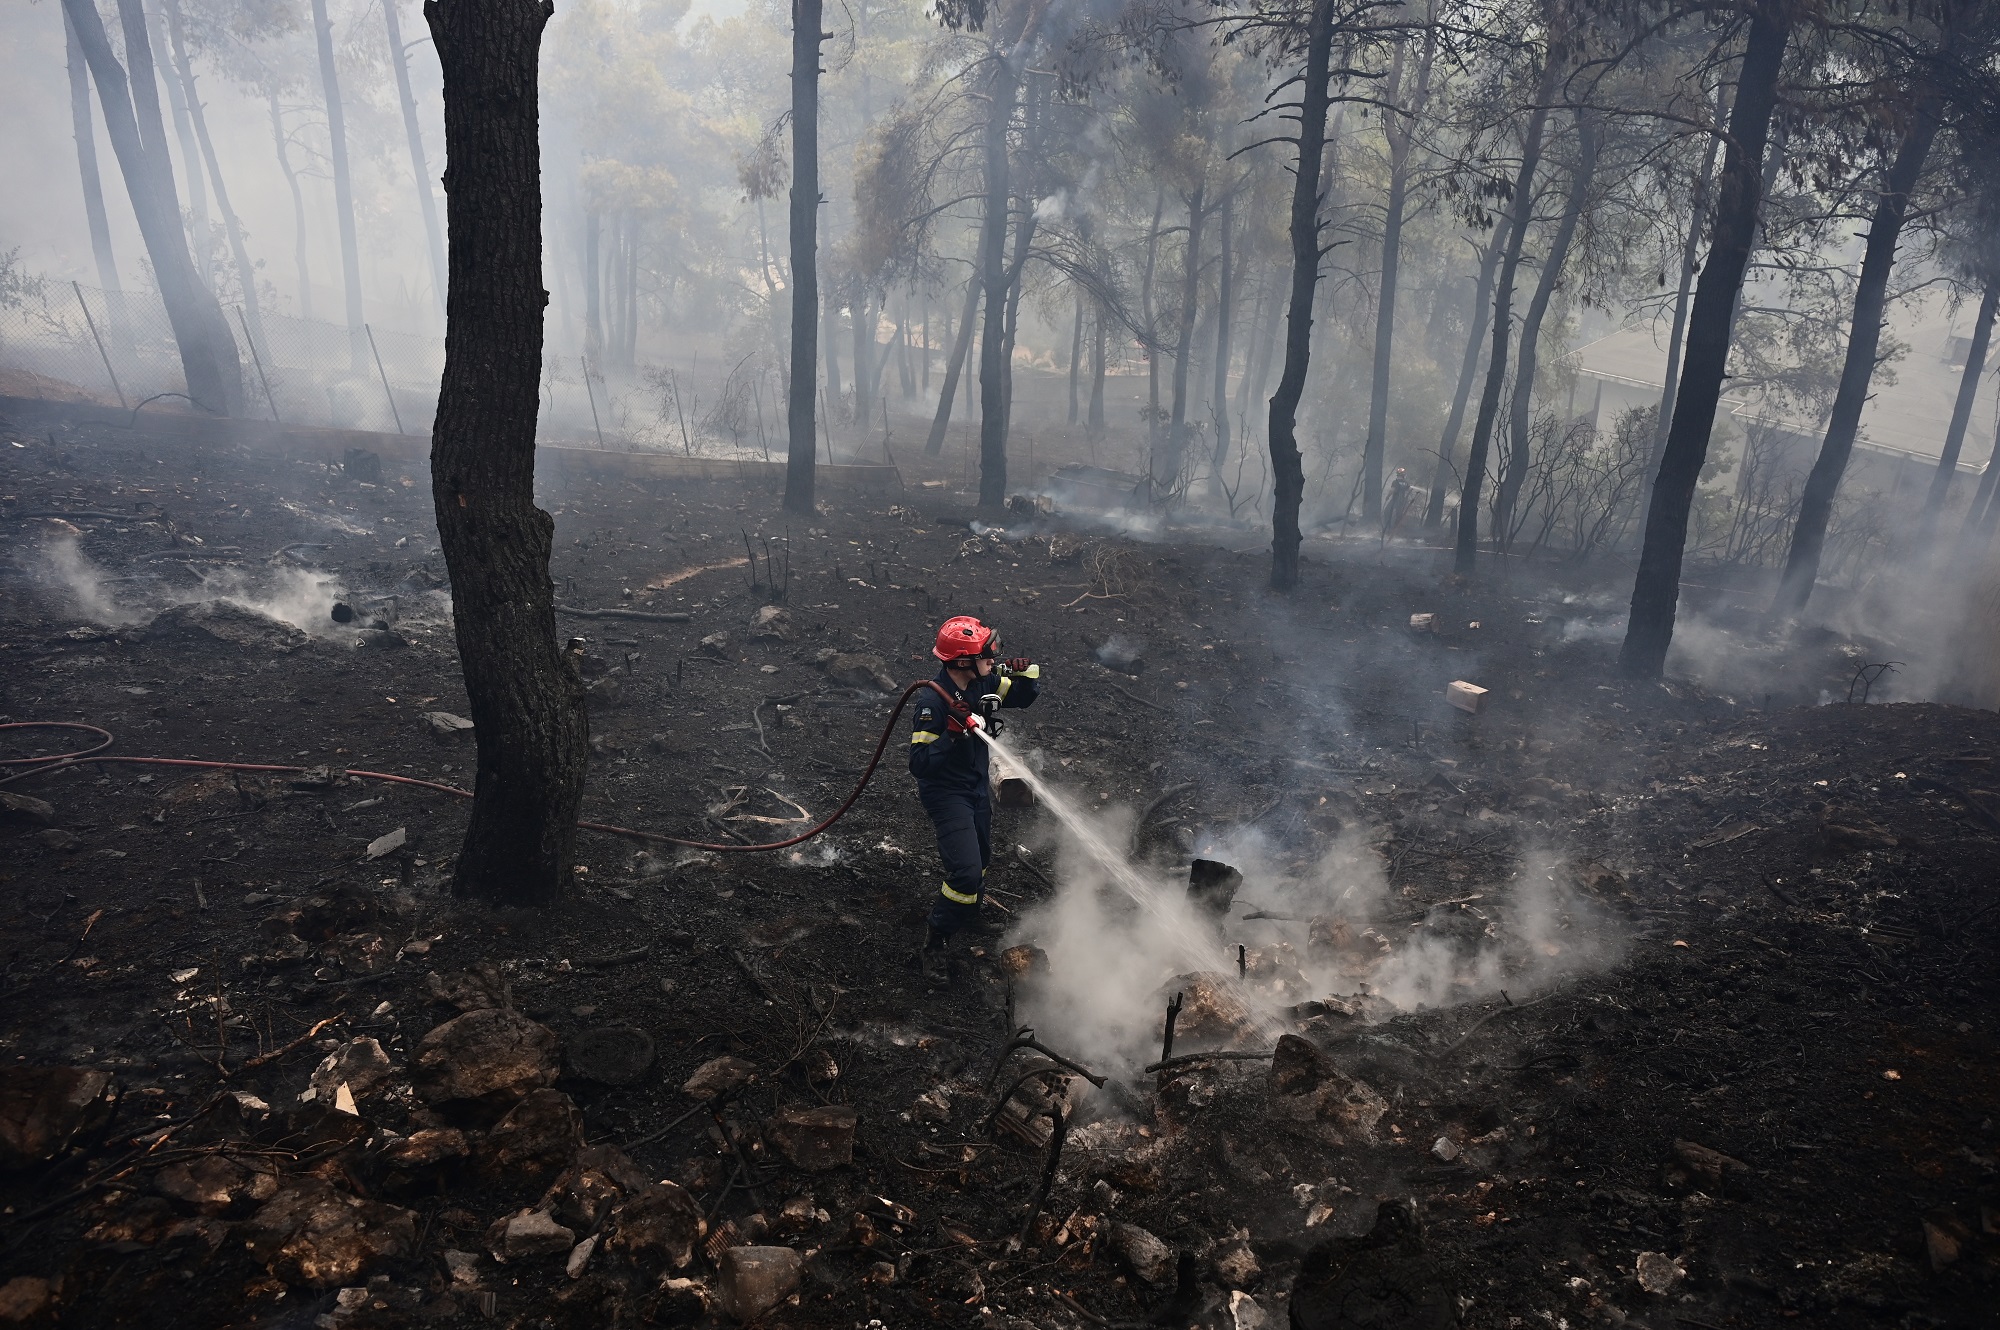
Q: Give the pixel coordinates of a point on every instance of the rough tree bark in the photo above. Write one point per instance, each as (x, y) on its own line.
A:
(802, 446)
(420, 171)
(1225, 295)
(83, 125)
(132, 121)
(1003, 87)
(1690, 251)
(955, 366)
(246, 272)
(343, 190)
(1482, 310)
(1184, 344)
(1287, 465)
(1520, 416)
(1878, 257)
(1522, 211)
(199, 233)
(527, 701)
(1656, 587)
(1961, 414)
(1075, 357)
(1398, 130)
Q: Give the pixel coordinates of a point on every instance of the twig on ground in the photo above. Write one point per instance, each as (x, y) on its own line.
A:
(643, 616)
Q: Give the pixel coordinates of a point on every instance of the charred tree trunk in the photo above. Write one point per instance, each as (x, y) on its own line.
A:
(138, 138)
(865, 318)
(1075, 357)
(1093, 421)
(628, 351)
(83, 125)
(1520, 420)
(1522, 212)
(299, 253)
(1690, 251)
(1656, 587)
(1399, 133)
(199, 232)
(1892, 206)
(343, 189)
(836, 382)
(1961, 414)
(1225, 296)
(906, 375)
(246, 272)
(1977, 526)
(1184, 344)
(1152, 327)
(1287, 465)
(420, 171)
(527, 701)
(953, 367)
(1003, 90)
(1482, 310)
(803, 446)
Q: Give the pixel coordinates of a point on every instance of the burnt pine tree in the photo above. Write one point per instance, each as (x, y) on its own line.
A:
(801, 442)
(1961, 413)
(1287, 465)
(1656, 588)
(527, 701)
(1864, 336)
(343, 187)
(1503, 319)
(1482, 310)
(214, 373)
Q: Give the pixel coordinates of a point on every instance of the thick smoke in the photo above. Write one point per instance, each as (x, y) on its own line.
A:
(63, 572)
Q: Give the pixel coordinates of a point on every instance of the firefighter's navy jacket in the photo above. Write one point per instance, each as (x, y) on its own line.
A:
(944, 756)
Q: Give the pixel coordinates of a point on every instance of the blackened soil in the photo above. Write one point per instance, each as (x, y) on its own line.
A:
(1806, 899)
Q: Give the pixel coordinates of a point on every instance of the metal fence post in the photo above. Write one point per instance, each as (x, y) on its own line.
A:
(100, 346)
(258, 361)
(386, 391)
(591, 393)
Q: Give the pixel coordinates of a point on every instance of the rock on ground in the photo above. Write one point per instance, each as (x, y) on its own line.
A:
(312, 1234)
(539, 1136)
(225, 621)
(491, 1054)
(658, 1226)
(1307, 1087)
(528, 1236)
(1144, 1255)
(753, 1280)
(814, 1139)
(43, 1108)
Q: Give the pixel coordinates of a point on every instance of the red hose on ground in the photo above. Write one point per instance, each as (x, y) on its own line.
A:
(96, 755)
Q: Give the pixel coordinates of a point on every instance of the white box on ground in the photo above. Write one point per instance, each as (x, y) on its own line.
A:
(1423, 623)
(1465, 696)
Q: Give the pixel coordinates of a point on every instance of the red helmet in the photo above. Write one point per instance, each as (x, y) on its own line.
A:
(962, 638)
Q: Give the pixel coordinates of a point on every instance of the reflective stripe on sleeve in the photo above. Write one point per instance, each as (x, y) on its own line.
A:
(923, 737)
(959, 897)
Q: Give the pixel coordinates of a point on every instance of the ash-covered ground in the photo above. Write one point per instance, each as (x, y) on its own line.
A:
(1659, 1006)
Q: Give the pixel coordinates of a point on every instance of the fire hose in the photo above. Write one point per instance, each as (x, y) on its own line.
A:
(95, 755)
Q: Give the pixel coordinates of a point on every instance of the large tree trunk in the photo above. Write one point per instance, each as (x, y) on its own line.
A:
(628, 294)
(1656, 587)
(527, 701)
(246, 272)
(1520, 419)
(1075, 357)
(85, 129)
(420, 170)
(138, 138)
(1400, 133)
(1024, 239)
(836, 382)
(200, 235)
(906, 375)
(1003, 89)
(865, 319)
(803, 447)
(955, 366)
(299, 252)
(1093, 421)
(1878, 257)
(1977, 526)
(1287, 465)
(1184, 346)
(1482, 310)
(1225, 296)
(343, 190)
(1523, 211)
(1152, 327)
(1690, 251)
(1961, 414)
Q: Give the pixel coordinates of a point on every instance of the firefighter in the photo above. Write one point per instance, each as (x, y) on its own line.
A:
(950, 763)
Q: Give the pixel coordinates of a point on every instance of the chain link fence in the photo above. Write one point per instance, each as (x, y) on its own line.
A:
(117, 348)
